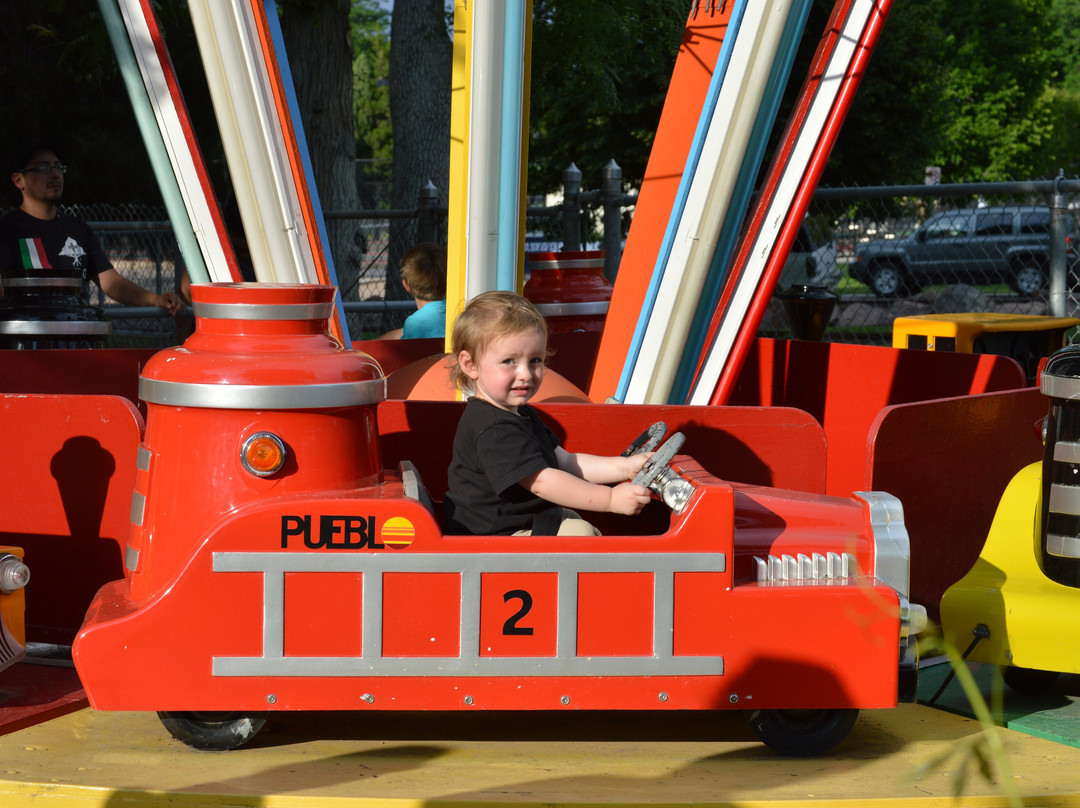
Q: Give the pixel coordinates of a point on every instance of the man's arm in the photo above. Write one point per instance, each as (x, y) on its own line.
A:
(124, 291)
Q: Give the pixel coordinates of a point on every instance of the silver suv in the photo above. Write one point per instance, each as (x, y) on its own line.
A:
(981, 246)
(810, 263)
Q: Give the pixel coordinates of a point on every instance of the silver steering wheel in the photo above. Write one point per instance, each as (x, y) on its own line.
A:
(647, 441)
(659, 462)
(658, 476)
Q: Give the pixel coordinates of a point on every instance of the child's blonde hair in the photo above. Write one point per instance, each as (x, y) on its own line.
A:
(487, 317)
(423, 267)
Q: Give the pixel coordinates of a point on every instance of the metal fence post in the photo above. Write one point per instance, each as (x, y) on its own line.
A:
(612, 199)
(1059, 228)
(571, 214)
(425, 218)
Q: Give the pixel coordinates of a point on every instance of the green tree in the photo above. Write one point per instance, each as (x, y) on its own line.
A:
(988, 89)
(1066, 47)
(892, 129)
(58, 79)
(997, 113)
(318, 40)
(600, 73)
(1062, 151)
(971, 87)
(421, 59)
(371, 85)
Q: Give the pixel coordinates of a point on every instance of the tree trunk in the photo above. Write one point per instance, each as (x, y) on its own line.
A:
(421, 54)
(319, 40)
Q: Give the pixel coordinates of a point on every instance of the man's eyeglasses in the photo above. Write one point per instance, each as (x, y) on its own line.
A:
(45, 168)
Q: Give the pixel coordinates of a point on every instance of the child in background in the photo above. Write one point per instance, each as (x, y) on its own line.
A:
(508, 474)
(423, 274)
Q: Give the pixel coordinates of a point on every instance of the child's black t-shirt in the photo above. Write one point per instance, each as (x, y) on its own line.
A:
(494, 450)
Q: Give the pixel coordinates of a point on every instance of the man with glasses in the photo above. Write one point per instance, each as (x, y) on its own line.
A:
(37, 239)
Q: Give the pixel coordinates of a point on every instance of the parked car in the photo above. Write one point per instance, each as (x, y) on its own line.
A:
(1009, 244)
(810, 263)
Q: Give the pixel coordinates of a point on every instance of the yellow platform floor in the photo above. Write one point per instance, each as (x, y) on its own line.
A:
(127, 760)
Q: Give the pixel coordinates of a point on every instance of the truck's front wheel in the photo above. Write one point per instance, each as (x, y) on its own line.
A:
(802, 733)
(213, 730)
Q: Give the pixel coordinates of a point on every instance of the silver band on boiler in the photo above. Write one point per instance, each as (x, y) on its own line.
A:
(565, 263)
(52, 328)
(262, 396)
(19, 283)
(572, 309)
(259, 311)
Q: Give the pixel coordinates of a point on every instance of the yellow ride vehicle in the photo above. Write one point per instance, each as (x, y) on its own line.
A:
(1017, 606)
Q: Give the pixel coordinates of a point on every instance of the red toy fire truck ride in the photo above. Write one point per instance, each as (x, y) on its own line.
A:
(273, 565)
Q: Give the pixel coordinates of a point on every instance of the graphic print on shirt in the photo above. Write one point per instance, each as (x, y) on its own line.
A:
(33, 255)
(73, 251)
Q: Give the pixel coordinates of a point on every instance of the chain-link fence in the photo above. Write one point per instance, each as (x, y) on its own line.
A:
(380, 238)
(139, 241)
(888, 252)
(885, 252)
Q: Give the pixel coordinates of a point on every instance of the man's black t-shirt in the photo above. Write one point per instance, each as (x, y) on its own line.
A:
(59, 247)
(493, 450)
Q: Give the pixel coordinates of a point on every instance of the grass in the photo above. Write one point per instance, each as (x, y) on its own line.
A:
(848, 286)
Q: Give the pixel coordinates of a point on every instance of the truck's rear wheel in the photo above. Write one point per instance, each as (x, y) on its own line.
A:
(1028, 278)
(888, 279)
(802, 733)
(213, 730)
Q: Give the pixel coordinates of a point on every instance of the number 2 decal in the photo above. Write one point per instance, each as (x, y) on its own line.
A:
(511, 627)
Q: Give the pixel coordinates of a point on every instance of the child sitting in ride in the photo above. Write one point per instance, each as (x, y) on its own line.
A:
(508, 474)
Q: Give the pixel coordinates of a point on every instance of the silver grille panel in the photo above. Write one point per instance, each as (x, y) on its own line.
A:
(805, 569)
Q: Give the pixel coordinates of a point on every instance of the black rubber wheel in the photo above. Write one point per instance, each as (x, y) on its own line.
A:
(802, 733)
(1028, 681)
(888, 279)
(213, 730)
(1028, 278)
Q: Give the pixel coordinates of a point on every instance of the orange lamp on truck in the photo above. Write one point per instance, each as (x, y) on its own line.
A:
(274, 565)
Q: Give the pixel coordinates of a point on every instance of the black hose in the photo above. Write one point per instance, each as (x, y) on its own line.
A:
(981, 632)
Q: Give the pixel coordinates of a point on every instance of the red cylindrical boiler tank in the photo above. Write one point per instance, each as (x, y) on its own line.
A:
(569, 289)
(261, 362)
